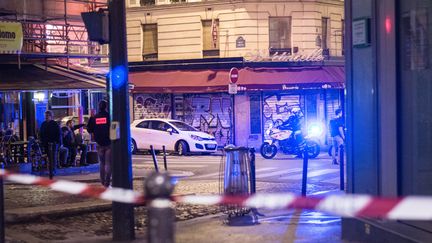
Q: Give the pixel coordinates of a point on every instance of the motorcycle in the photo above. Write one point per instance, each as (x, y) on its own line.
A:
(290, 142)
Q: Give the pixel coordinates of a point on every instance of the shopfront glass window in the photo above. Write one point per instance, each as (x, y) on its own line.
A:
(415, 97)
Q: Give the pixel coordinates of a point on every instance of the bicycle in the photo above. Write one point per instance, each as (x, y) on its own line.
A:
(35, 156)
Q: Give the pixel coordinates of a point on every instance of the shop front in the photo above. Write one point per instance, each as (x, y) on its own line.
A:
(27, 90)
(208, 112)
(265, 96)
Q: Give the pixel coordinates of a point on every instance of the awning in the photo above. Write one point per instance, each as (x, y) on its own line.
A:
(30, 77)
(193, 81)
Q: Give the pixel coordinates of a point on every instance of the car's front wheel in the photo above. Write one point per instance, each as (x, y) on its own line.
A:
(182, 148)
(133, 146)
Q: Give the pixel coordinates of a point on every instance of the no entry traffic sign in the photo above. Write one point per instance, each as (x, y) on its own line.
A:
(233, 75)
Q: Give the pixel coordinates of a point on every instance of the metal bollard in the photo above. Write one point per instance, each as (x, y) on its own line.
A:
(154, 158)
(341, 166)
(305, 169)
(252, 171)
(164, 157)
(2, 224)
(161, 216)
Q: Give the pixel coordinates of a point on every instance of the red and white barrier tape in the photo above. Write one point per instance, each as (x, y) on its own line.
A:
(351, 205)
(77, 188)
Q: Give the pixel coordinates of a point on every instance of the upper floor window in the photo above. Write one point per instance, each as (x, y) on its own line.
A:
(150, 42)
(325, 32)
(280, 35)
(343, 37)
(146, 2)
(210, 38)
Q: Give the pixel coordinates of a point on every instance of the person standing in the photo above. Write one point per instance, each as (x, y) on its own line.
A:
(98, 125)
(50, 135)
(337, 133)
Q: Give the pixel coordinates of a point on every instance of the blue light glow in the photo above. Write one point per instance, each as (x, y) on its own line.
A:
(118, 77)
(174, 180)
(315, 129)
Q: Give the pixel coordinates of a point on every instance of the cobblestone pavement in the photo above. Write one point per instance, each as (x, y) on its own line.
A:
(99, 223)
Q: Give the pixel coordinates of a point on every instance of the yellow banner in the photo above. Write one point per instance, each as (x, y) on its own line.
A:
(11, 37)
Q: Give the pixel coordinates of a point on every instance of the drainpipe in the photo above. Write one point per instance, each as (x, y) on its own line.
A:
(325, 115)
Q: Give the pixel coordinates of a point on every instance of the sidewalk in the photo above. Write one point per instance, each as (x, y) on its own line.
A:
(25, 203)
(282, 226)
(212, 229)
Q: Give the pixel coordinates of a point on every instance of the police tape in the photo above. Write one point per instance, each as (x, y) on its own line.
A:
(345, 205)
(77, 188)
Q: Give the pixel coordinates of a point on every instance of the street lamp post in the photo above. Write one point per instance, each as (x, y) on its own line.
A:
(122, 214)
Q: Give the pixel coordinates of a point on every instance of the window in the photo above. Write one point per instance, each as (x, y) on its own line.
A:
(414, 101)
(210, 37)
(147, 2)
(255, 114)
(343, 37)
(155, 125)
(144, 124)
(280, 35)
(150, 38)
(325, 36)
(163, 126)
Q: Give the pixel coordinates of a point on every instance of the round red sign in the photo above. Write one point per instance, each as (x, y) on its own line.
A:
(233, 75)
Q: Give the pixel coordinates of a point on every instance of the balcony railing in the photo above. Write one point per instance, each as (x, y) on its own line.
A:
(163, 2)
(57, 40)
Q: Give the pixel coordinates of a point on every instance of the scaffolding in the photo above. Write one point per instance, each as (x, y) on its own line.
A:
(57, 34)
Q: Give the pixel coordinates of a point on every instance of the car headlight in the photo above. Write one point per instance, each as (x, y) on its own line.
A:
(195, 137)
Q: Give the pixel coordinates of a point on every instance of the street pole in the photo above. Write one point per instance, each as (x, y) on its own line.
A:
(122, 214)
(2, 222)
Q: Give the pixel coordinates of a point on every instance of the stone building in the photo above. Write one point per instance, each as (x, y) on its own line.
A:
(289, 53)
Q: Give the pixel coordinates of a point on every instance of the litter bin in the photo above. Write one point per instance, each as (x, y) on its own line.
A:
(236, 173)
(236, 176)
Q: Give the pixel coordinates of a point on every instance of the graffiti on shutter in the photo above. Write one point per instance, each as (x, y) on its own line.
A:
(152, 106)
(277, 109)
(207, 112)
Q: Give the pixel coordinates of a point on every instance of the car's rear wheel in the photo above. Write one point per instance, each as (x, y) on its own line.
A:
(182, 148)
(133, 146)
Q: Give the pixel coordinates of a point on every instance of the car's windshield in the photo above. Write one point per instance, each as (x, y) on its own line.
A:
(183, 126)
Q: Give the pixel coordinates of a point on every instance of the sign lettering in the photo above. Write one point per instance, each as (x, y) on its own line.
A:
(101, 121)
(11, 37)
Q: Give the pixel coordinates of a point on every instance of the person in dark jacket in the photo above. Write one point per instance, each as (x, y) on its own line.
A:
(99, 127)
(293, 123)
(337, 133)
(50, 134)
(71, 142)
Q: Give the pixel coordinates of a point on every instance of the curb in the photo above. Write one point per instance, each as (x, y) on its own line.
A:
(29, 214)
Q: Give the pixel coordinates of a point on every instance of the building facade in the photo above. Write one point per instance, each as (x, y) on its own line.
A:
(167, 30)
(389, 119)
(48, 68)
(181, 53)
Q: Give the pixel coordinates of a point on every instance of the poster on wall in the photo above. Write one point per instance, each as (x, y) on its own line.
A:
(11, 37)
